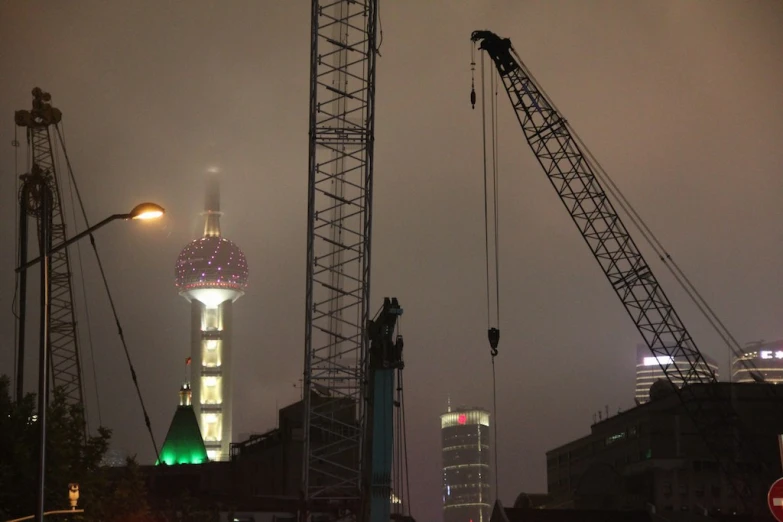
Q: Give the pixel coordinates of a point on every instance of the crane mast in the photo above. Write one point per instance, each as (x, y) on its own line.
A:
(573, 177)
(64, 355)
(384, 361)
(341, 137)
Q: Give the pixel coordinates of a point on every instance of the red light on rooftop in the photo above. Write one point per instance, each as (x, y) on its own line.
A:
(462, 419)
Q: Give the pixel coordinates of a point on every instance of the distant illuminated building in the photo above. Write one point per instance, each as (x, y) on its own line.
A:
(648, 371)
(466, 465)
(212, 273)
(766, 357)
(183, 444)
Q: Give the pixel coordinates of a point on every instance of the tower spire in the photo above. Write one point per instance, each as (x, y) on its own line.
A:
(212, 211)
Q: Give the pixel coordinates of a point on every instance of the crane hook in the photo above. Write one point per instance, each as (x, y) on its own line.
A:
(494, 339)
(473, 96)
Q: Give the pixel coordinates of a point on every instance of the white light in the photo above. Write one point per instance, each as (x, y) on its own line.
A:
(766, 354)
(210, 381)
(209, 418)
(655, 361)
(212, 297)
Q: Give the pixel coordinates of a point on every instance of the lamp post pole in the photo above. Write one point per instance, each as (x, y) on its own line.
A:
(43, 352)
(23, 222)
(43, 197)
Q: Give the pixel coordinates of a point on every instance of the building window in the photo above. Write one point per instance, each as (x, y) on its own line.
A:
(211, 390)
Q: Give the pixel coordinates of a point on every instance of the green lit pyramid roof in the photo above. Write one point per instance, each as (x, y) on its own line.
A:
(183, 444)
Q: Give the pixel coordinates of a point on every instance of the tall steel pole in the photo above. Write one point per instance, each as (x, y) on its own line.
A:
(24, 196)
(341, 131)
(43, 352)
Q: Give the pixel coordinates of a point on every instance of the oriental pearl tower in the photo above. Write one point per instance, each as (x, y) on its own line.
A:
(211, 274)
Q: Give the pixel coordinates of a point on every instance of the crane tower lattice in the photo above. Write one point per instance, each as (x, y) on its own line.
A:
(341, 132)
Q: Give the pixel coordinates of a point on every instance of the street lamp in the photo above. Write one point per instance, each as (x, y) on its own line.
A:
(43, 196)
(142, 211)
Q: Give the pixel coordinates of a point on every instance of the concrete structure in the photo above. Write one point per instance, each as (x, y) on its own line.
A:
(212, 273)
(466, 465)
(648, 371)
(763, 358)
(652, 455)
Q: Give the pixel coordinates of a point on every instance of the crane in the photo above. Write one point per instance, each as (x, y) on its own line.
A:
(63, 346)
(340, 187)
(385, 358)
(573, 175)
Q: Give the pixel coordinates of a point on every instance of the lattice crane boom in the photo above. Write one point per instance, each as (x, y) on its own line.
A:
(574, 178)
(341, 132)
(64, 346)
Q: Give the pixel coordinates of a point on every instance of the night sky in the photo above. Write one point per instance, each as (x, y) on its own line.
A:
(682, 102)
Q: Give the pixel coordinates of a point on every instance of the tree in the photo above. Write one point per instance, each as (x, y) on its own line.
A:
(106, 494)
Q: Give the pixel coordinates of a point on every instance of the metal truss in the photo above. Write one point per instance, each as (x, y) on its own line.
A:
(342, 115)
(573, 177)
(64, 345)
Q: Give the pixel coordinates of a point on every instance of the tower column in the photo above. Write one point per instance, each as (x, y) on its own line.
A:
(212, 273)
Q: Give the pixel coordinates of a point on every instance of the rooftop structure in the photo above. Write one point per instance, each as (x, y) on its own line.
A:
(183, 444)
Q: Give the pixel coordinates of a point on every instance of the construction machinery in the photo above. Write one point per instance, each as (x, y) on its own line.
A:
(40, 124)
(340, 184)
(384, 362)
(575, 176)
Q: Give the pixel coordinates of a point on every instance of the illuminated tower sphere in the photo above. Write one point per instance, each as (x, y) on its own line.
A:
(211, 274)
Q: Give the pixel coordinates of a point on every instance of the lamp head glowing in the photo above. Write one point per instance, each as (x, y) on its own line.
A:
(146, 211)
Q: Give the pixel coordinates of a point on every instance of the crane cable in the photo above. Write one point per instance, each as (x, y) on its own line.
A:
(84, 297)
(401, 484)
(680, 277)
(111, 299)
(493, 332)
(17, 216)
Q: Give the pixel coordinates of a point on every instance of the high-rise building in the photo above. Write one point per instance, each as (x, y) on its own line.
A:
(466, 465)
(648, 371)
(211, 274)
(763, 358)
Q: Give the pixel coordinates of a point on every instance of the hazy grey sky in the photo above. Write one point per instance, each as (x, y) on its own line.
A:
(681, 101)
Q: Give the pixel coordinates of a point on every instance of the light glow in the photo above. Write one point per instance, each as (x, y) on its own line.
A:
(655, 361)
(471, 417)
(147, 211)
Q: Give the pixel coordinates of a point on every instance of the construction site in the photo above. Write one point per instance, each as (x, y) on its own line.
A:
(272, 158)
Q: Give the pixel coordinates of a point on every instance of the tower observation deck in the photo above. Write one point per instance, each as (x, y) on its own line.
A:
(212, 273)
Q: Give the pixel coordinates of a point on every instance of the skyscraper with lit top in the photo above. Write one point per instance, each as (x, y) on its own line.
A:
(466, 465)
(211, 273)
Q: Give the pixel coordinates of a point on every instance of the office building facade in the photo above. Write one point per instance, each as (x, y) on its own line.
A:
(465, 439)
(653, 456)
(765, 359)
(648, 370)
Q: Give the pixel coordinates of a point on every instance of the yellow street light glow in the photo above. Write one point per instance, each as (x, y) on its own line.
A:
(146, 211)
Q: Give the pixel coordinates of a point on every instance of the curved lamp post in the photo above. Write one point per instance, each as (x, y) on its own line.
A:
(141, 211)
